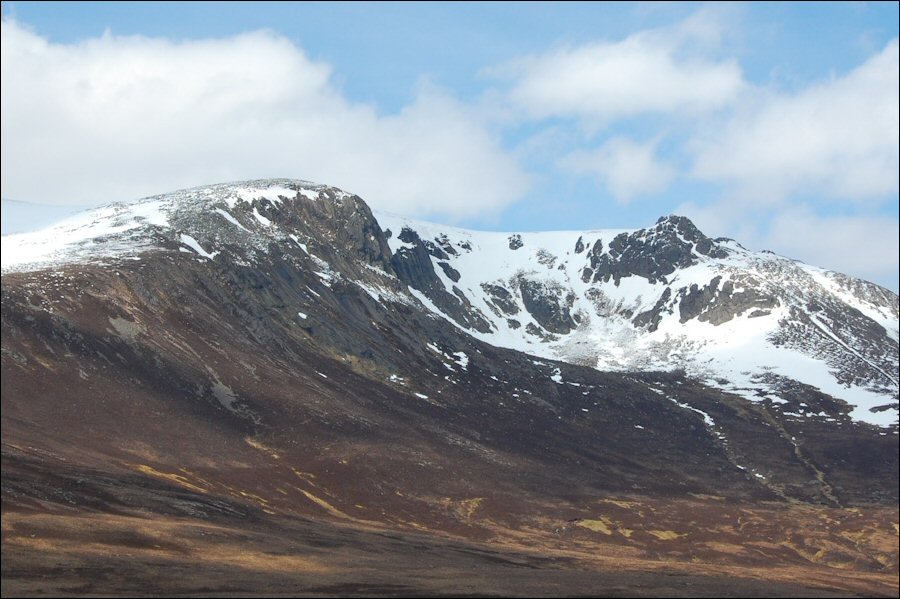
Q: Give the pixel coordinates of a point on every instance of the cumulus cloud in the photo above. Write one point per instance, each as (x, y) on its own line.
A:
(656, 71)
(626, 168)
(115, 118)
(838, 139)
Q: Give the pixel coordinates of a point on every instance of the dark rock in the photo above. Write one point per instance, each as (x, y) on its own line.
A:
(546, 304)
(435, 250)
(451, 272)
(407, 235)
(536, 331)
(502, 298)
(652, 317)
(546, 258)
(414, 267)
(673, 243)
(718, 306)
(444, 242)
(697, 300)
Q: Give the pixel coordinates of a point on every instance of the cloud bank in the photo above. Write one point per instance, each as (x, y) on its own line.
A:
(116, 118)
(661, 71)
(838, 139)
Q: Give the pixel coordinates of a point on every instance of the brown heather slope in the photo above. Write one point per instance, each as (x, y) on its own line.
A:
(171, 427)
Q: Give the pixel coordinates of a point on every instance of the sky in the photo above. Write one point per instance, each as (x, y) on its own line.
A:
(777, 124)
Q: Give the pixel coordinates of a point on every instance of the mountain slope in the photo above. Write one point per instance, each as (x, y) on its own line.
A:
(247, 360)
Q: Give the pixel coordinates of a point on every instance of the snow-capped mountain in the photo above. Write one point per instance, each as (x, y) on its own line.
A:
(662, 298)
(657, 299)
(266, 364)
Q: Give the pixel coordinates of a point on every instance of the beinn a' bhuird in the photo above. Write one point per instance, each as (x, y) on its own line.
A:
(263, 387)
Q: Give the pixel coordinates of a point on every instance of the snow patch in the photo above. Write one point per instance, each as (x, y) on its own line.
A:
(302, 246)
(556, 377)
(380, 294)
(462, 359)
(194, 245)
(231, 219)
(265, 221)
(270, 193)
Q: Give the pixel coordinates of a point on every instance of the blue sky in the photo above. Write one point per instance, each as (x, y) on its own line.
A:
(774, 123)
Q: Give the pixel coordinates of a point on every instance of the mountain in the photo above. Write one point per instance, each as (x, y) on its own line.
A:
(264, 387)
(662, 298)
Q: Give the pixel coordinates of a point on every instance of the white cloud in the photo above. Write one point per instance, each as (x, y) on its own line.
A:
(656, 71)
(628, 169)
(116, 118)
(838, 139)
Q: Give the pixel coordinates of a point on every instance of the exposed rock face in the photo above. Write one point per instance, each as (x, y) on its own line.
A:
(451, 272)
(717, 306)
(548, 304)
(357, 232)
(501, 298)
(414, 268)
(653, 253)
(652, 317)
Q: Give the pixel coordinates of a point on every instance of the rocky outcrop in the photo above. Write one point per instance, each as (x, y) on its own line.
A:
(651, 318)
(673, 243)
(717, 306)
(414, 267)
(501, 298)
(548, 304)
(451, 272)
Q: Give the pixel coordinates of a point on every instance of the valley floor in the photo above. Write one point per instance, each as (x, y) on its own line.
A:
(68, 534)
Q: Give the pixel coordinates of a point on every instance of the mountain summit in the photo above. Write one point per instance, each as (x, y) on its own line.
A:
(271, 361)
